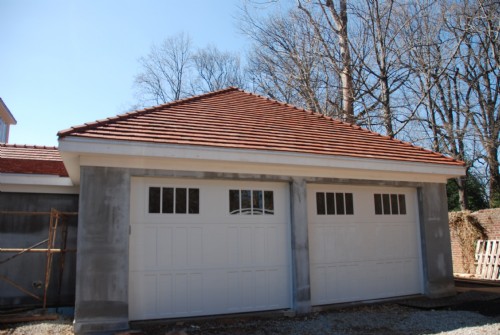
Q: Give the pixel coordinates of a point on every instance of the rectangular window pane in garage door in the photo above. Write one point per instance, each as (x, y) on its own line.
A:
(154, 200)
(168, 200)
(194, 201)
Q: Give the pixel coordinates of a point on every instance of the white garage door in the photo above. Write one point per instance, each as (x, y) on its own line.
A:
(204, 247)
(364, 243)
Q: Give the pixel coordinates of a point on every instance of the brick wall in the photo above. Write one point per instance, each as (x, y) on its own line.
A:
(490, 221)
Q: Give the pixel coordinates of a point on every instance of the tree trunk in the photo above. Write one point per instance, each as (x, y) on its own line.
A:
(385, 99)
(345, 55)
(494, 180)
(462, 193)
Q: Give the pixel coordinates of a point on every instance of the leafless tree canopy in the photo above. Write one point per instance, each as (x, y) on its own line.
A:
(173, 70)
(216, 70)
(165, 70)
(425, 71)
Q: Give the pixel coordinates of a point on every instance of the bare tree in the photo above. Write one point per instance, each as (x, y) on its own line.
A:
(287, 63)
(336, 19)
(165, 70)
(424, 70)
(172, 70)
(439, 95)
(216, 70)
(477, 24)
(447, 80)
(361, 65)
(383, 64)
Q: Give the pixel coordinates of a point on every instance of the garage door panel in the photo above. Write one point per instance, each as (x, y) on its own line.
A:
(318, 281)
(244, 249)
(365, 255)
(163, 245)
(196, 244)
(394, 239)
(180, 293)
(407, 277)
(180, 247)
(142, 258)
(277, 256)
(195, 299)
(213, 254)
(144, 293)
(208, 264)
(233, 290)
(363, 205)
(247, 289)
(261, 243)
(335, 283)
(243, 245)
(258, 288)
(261, 288)
(165, 294)
(278, 282)
(346, 275)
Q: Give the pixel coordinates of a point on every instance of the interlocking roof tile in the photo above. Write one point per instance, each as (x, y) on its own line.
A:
(28, 159)
(233, 118)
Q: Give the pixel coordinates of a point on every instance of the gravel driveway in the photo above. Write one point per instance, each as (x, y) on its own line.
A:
(482, 318)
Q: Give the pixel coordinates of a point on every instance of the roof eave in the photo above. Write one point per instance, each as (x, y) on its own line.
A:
(73, 148)
(36, 183)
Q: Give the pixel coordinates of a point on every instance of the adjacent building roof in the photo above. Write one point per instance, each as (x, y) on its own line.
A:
(233, 118)
(5, 114)
(25, 159)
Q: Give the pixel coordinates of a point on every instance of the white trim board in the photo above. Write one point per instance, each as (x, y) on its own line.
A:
(36, 183)
(78, 152)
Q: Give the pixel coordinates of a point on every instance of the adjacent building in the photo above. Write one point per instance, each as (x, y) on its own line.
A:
(6, 119)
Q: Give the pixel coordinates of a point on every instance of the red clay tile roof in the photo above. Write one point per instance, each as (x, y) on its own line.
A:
(233, 118)
(26, 159)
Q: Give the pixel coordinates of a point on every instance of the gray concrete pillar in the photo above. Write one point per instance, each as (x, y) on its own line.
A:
(300, 247)
(101, 299)
(436, 243)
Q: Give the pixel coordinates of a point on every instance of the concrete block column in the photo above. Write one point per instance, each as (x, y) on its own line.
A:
(300, 247)
(101, 299)
(435, 237)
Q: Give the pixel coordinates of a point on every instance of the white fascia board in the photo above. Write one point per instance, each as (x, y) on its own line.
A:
(80, 151)
(12, 182)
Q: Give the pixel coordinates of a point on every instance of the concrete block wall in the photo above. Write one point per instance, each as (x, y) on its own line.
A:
(490, 220)
(435, 237)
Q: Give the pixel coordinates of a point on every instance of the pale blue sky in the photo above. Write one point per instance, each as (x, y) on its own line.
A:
(66, 62)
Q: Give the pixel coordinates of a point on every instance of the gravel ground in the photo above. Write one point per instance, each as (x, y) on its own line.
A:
(387, 319)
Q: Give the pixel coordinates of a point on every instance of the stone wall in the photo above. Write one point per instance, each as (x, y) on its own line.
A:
(489, 220)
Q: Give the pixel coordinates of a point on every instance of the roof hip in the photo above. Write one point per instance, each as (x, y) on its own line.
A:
(237, 119)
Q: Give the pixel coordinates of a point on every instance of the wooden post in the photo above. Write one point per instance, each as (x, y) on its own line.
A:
(54, 219)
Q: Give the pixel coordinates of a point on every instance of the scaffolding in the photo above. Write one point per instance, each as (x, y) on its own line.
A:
(58, 221)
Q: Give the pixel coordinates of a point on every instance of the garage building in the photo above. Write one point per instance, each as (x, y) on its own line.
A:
(229, 202)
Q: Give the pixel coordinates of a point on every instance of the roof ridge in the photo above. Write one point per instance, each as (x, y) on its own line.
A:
(27, 146)
(133, 114)
(274, 101)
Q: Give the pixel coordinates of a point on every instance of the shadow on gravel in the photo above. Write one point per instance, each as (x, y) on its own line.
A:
(486, 303)
(486, 308)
